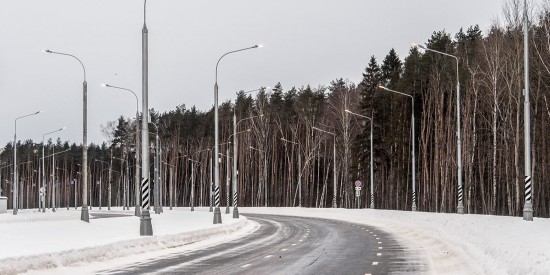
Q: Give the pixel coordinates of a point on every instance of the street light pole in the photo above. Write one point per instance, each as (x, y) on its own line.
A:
(460, 207)
(299, 170)
(15, 180)
(217, 212)
(146, 228)
(137, 177)
(43, 169)
(413, 144)
(84, 214)
(528, 206)
(371, 158)
(334, 204)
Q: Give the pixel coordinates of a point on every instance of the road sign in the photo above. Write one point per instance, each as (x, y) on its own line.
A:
(358, 188)
(358, 183)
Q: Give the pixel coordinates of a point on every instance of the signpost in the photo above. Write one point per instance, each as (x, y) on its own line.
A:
(358, 185)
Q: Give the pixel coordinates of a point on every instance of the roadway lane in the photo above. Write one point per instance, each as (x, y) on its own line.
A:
(292, 245)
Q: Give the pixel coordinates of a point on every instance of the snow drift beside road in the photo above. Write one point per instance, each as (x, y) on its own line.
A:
(452, 243)
(32, 240)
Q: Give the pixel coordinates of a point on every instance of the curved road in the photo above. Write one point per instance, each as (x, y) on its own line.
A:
(292, 245)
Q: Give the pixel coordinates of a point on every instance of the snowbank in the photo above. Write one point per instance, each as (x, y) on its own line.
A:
(451, 243)
(32, 240)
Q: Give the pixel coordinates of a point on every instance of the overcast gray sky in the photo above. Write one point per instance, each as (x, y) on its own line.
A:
(306, 42)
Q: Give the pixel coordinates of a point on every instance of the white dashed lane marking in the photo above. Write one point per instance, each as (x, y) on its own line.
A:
(374, 263)
(269, 256)
(284, 249)
(378, 254)
(380, 247)
(246, 265)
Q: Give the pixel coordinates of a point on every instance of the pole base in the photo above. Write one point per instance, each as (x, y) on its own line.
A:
(192, 208)
(414, 207)
(44, 210)
(53, 209)
(137, 212)
(109, 208)
(160, 209)
(145, 226)
(15, 211)
(217, 215)
(528, 212)
(84, 215)
(211, 210)
(235, 213)
(372, 205)
(227, 211)
(460, 209)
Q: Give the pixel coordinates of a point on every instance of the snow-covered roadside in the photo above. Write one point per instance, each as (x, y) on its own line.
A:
(453, 244)
(38, 242)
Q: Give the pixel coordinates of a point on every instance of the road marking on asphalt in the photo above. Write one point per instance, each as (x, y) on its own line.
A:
(284, 249)
(268, 256)
(378, 254)
(379, 242)
(300, 240)
(378, 238)
(293, 244)
(380, 247)
(374, 263)
(374, 235)
(246, 265)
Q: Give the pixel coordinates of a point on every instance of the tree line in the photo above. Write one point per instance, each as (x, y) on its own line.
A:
(491, 76)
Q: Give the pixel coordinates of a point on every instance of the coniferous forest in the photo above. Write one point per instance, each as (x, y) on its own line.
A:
(490, 69)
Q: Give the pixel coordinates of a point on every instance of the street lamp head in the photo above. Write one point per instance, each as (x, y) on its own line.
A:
(46, 51)
(248, 130)
(259, 45)
(382, 87)
(415, 45)
(105, 85)
(37, 112)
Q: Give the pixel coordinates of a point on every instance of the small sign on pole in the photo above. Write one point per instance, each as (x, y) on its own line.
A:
(358, 183)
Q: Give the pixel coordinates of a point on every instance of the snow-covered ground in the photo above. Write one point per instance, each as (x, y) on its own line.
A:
(33, 241)
(451, 243)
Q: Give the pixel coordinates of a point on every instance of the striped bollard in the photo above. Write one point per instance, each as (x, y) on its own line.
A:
(217, 212)
(414, 202)
(460, 208)
(235, 209)
(528, 207)
(146, 228)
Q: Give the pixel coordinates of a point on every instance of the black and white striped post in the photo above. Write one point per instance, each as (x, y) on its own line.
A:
(145, 226)
(528, 207)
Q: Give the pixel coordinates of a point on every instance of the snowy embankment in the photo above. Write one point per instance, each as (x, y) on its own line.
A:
(452, 243)
(33, 241)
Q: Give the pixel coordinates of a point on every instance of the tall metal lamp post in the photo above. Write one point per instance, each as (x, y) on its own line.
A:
(137, 177)
(371, 158)
(413, 144)
(217, 212)
(528, 206)
(84, 215)
(334, 205)
(15, 180)
(460, 207)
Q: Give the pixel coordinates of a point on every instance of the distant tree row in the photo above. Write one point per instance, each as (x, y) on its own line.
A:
(491, 76)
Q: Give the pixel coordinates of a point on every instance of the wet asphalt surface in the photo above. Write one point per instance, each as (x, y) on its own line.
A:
(292, 245)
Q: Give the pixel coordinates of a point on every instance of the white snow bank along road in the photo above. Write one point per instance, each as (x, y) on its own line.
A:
(452, 243)
(64, 240)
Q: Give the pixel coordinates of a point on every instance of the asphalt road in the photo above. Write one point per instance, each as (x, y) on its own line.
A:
(292, 245)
